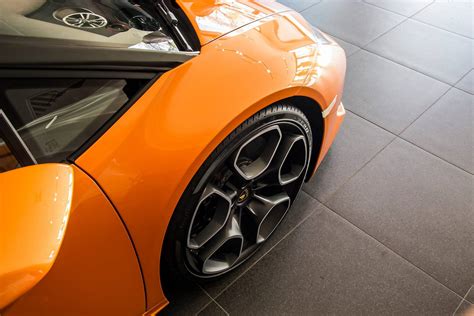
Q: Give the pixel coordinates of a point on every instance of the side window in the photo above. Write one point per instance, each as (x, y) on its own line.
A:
(55, 117)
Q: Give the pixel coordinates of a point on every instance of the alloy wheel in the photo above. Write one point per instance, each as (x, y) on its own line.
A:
(85, 20)
(245, 197)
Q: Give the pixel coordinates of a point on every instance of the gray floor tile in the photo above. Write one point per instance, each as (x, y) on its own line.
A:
(328, 267)
(387, 93)
(454, 16)
(464, 309)
(435, 52)
(188, 300)
(446, 129)
(417, 205)
(304, 206)
(355, 22)
(212, 309)
(299, 5)
(357, 139)
(404, 7)
(467, 83)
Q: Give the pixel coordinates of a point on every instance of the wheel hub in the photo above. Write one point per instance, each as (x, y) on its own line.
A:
(243, 196)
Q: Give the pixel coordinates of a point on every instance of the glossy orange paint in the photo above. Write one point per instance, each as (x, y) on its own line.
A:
(95, 272)
(144, 162)
(32, 226)
(149, 156)
(212, 19)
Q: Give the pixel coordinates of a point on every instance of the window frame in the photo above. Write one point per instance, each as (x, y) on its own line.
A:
(14, 142)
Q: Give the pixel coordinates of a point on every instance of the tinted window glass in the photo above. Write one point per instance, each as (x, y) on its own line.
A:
(54, 117)
(121, 23)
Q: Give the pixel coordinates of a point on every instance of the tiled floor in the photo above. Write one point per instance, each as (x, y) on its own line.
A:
(387, 224)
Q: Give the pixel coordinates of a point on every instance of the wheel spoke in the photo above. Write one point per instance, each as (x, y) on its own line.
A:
(209, 217)
(295, 154)
(255, 155)
(288, 162)
(223, 250)
(267, 212)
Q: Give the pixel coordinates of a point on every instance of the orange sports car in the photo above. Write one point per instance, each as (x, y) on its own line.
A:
(146, 140)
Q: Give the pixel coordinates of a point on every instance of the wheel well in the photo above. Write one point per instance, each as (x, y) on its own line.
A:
(312, 110)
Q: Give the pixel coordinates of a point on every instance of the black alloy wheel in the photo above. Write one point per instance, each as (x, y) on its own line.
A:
(240, 195)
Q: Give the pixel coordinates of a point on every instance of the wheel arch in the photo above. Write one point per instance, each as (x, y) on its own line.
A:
(306, 105)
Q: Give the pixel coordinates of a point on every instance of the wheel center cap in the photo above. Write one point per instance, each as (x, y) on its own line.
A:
(243, 196)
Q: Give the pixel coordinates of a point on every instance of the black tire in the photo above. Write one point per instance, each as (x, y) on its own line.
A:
(175, 266)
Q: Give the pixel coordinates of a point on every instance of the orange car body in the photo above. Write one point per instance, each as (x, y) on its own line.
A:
(128, 183)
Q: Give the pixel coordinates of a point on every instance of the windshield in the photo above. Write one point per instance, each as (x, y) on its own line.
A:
(129, 24)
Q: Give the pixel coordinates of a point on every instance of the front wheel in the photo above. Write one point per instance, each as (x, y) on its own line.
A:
(240, 195)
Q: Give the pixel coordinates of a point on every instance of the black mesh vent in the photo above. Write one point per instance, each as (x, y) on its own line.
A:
(42, 103)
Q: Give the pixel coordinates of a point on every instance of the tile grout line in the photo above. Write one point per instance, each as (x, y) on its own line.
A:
(405, 65)
(469, 291)
(408, 141)
(392, 28)
(412, 17)
(441, 28)
(434, 155)
(365, 48)
(391, 250)
(395, 137)
(463, 300)
(209, 303)
(268, 251)
(436, 101)
(426, 110)
(357, 171)
(314, 4)
(399, 135)
(387, 31)
(388, 10)
(361, 48)
(455, 86)
(471, 93)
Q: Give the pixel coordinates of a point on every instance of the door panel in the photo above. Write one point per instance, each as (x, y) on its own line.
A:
(96, 271)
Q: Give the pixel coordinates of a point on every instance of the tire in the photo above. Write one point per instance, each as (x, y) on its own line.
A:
(257, 172)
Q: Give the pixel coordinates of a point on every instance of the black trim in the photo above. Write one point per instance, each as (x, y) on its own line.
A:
(173, 22)
(14, 142)
(184, 24)
(25, 52)
(79, 74)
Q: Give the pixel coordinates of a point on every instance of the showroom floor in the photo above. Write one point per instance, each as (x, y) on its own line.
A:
(387, 224)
